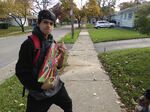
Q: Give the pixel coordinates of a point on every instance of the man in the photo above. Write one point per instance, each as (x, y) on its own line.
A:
(41, 95)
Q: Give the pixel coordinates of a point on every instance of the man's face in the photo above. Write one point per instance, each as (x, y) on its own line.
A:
(46, 26)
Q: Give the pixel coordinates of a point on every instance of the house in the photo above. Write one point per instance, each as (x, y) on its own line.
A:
(14, 23)
(125, 18)
(29, 21)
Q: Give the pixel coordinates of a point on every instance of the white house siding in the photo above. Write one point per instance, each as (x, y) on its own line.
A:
(14, 23)
(125, 18)
(116, 18)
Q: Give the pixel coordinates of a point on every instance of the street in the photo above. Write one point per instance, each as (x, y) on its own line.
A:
(9, 47)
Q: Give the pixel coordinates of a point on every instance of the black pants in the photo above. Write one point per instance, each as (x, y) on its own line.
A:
(61, 99)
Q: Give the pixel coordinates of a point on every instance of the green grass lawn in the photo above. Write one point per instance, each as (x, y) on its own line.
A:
(107, 34)
(68, 39)
(89, 26)
(11, 96)
(12, 31)
(129, 71)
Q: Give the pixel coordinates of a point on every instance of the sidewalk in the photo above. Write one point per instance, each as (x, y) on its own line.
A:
(87, 84)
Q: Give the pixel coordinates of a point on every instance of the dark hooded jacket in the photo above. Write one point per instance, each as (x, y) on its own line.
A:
(27, 73)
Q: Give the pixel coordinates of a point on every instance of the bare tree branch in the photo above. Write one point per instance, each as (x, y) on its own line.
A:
(15, 18)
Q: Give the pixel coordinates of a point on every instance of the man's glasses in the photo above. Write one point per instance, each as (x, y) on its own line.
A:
(48, 22)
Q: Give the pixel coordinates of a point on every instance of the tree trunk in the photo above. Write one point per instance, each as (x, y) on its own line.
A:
(79, 23)
(61, 23)
(22, 28)
(89, 20)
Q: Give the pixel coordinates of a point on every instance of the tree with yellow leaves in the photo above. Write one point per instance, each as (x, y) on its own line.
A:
(92, 9)
(2, 9)
(16, 9)
(79, 14)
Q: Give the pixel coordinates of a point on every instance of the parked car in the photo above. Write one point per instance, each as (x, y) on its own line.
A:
(104, 24)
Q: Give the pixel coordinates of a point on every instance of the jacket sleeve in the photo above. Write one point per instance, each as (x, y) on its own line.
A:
(24, 67)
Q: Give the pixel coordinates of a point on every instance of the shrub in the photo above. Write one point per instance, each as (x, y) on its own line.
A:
(142, 21)
(3, 25)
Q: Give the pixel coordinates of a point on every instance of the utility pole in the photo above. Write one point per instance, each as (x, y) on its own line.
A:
(81, 4)
(72, 20)
(45, 3)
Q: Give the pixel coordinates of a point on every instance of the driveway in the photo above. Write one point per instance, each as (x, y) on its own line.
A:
(123, 44)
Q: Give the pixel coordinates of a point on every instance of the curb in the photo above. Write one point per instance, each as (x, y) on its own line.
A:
(7, 71)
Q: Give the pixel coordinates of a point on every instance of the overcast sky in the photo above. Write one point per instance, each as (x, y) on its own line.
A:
(78, 2)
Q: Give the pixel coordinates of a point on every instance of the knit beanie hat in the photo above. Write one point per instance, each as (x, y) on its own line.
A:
(46, 14)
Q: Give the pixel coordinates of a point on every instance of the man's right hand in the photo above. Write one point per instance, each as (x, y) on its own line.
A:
(143, 101)
(142, 104)
(47, 85)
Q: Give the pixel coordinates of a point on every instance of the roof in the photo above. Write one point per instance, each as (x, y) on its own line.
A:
(31, 17)
(129, 9)
(135, 8)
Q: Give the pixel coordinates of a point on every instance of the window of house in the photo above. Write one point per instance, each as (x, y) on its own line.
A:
(121, 16)
(130, 15)
(125, 15)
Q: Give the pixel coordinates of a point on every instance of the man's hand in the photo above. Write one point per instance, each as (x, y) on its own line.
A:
(61, 54)
(143, 101)
(47, 84)
(143, 104)
(62, 49)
